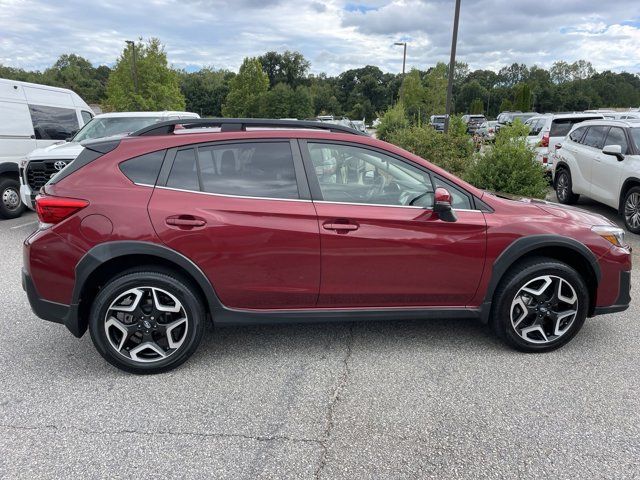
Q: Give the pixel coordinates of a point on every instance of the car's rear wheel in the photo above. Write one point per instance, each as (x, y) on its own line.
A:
(146, 321)
(540, 305)
(631, 211)
(563, 187)
(10, 204)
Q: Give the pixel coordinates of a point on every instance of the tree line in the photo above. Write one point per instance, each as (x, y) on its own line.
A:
(279, 85)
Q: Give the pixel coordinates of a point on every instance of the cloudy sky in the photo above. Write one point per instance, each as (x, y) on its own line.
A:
(333, 34)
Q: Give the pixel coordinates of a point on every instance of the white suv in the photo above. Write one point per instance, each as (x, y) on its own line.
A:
(549, 130)
(601, 159)
(41, 164)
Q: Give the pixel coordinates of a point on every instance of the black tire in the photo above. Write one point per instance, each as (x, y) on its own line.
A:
(630, 209)
(148, 277)
(519, 276)
(564, 187)
(9, 193)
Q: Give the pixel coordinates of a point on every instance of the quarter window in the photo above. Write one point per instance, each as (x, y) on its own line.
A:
(86, 116)
(459, 199)
(595, 137)
(349, 174)
(143, 169)
(53, 123)
(616, 136)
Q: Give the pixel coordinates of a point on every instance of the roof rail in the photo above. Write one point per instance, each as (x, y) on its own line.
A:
(239, 125)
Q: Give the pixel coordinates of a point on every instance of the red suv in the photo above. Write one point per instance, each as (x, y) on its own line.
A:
(143, 238)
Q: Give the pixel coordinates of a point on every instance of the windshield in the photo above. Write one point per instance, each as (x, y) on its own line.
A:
(109, 126)
(635, 134)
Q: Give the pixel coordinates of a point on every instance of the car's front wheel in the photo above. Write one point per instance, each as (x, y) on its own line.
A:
(631, 209)
(10, 204)
(146, 321)
(540, 305)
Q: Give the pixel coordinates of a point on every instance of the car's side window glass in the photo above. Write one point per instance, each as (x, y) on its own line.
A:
(459, 199)
(595, 137)
(536, 126)
(252, 169)
(53, 123)
(616, 136)
(184, 172)
(349, 174)
(86, 116)
(577, 134)
(143, 169)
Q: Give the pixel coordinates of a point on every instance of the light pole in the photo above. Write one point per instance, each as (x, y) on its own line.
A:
(452, 66)
(134, 69)
(404, 56)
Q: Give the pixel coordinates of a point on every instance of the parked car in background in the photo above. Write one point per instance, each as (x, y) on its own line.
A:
(437, 122)
(360, 125)
(507, 118)
(145, 238)
(473, 122)
(41, 164)
(487, 130)
(32, 116)
(624, 116)
(601, 160)
(546, 133)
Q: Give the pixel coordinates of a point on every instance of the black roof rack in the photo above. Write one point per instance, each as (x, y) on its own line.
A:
(239, 125)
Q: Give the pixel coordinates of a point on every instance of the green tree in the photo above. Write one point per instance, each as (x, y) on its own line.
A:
(76, 73)
(289, 67)
(436, 90)
(477, 106)
(412, 96)
(246, 90)
(150, 86)
(395, 118)
(522, 100)
(205, 90)
(506, 105)
(510, 166)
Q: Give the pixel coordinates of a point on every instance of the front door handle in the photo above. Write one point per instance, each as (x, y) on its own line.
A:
(185, 221)
(340, 226)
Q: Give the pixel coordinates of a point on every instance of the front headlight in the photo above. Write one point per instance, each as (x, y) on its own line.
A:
(613, 235)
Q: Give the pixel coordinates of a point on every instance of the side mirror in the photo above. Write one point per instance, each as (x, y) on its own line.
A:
(442, 206)
(615, 150)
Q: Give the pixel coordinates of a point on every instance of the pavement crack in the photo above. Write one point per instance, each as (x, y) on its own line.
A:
(258, 438)
(335, 398)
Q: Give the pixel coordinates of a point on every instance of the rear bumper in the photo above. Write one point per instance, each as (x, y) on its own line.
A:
(624, 296)
(51, 311)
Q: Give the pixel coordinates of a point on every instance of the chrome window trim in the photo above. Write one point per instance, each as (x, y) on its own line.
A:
(235, 196)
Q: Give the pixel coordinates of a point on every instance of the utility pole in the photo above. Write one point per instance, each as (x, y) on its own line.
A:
(452, 65)
(134, 69)
(404, 56)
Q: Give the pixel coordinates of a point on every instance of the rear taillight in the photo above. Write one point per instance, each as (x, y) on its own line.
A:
(545, 160)
(52, 210)
(545, 140)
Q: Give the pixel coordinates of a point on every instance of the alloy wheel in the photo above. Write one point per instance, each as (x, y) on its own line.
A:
(562, 186)
(11, 198)
(632, 211)
(146, 324)
(544, 309)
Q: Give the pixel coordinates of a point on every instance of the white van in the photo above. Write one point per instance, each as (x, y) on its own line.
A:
(41, 164)
(32, 116)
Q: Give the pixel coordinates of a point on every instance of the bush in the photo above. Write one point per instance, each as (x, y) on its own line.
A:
(453, 151)
(395, 118)
(509, 166)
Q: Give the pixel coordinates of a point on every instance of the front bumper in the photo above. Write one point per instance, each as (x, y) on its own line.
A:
(624, 296)
(51, 311)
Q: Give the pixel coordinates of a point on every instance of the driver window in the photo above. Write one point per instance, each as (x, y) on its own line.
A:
(349, 174)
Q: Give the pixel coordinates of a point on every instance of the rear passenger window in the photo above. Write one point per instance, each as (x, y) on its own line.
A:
(260, 169)
(53, 123)
(577, 134)
(143, 169)
(616, 136)
(536, 126)
(184, 172)
(595, 137)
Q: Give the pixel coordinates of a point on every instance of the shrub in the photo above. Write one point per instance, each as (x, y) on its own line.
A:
(395, 118)
(509, 166)
(452, 151)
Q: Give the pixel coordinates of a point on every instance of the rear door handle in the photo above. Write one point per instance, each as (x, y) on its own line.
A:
(185, 221)
(340, 226)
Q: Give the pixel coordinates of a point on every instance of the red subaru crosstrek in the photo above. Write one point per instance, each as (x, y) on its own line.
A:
(142, 238)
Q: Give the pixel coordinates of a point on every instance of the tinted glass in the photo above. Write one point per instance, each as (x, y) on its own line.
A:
(349, 174)
(595, 137)
(459, 199)
(249, 169)
(86, 116)
(53, 123)
(577, 134)
(143, 169)
(561, 126)
(635, 135)
(184, 173)
(616, 136)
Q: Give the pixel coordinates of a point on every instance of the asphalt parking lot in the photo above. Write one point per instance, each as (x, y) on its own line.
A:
(431, 399)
